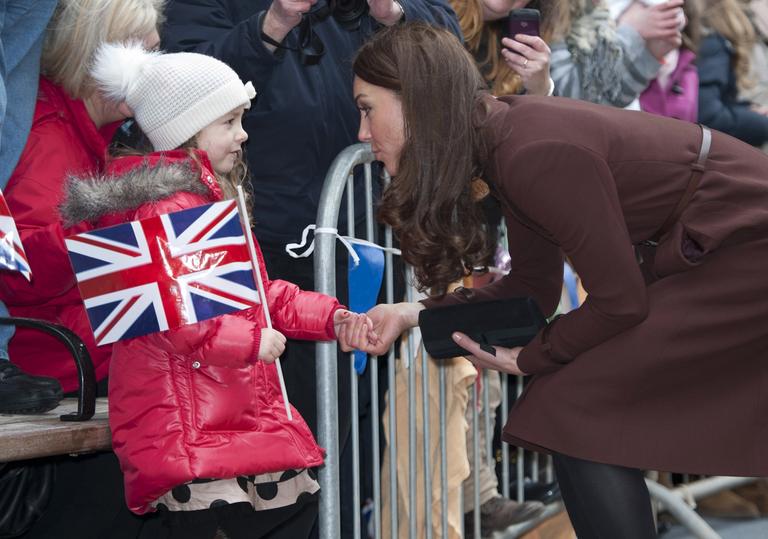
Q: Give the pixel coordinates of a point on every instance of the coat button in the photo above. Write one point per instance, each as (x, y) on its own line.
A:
(196, 365)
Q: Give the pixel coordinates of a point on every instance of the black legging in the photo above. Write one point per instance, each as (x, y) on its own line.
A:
(605, 501)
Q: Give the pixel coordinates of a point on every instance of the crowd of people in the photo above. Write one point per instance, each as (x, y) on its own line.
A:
(144, 107)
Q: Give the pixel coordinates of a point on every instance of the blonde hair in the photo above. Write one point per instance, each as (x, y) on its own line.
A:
(727, 18)
(78, 27)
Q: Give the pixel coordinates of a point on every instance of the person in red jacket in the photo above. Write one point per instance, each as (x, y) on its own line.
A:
(71, 128)
(197, 417)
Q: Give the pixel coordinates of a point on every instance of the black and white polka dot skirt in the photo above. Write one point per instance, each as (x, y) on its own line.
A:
(265, 491)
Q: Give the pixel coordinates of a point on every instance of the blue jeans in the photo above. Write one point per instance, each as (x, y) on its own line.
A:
(22, 26)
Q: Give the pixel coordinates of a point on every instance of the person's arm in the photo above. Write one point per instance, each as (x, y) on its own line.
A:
(633, 71)
(718, 105)
(571, 193)
(207, 27)
(31, 195)
(536, 271)
(639, 65)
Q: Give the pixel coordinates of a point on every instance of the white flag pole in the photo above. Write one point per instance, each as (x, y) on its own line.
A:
(260, 285)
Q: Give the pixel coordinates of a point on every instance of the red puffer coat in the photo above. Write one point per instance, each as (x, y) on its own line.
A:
(63, 140)
(193, 402)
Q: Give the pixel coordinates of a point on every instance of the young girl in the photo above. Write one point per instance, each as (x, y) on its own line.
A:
(196, 413)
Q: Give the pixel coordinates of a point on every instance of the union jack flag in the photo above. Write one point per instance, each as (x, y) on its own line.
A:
(163, 272)
(12, 255)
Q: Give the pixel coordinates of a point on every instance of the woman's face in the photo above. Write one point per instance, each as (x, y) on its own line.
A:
(381, 122)
(498, 9)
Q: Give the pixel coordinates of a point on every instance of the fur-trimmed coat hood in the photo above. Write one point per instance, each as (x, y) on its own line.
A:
(132, 181)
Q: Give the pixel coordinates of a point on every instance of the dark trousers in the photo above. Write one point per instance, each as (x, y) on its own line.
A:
(605, 501)
(298, 363)
(240, 521)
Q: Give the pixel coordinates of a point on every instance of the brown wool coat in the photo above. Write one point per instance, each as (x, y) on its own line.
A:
(667, 371)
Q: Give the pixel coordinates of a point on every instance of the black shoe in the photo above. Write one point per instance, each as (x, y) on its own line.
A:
(21, 393)
(500, 513)
(546, 493)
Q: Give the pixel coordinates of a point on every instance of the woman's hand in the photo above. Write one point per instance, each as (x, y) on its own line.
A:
(271, 345)
(390, 321)
(354, 331)
(504, 359)
(529, 56)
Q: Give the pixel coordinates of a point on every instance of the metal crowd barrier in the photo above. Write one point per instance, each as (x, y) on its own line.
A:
(339, 179)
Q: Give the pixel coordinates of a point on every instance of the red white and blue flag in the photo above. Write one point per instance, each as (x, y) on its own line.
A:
(163, 272)
(12, 255)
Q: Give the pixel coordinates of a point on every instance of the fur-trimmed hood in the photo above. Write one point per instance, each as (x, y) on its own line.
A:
(130, 182)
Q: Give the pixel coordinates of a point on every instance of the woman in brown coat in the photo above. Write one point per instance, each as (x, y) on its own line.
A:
(664, 366)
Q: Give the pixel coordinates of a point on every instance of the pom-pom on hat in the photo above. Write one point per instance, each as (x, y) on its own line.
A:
(173, 96)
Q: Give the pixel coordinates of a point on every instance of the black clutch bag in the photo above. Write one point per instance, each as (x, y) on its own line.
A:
(508, 323)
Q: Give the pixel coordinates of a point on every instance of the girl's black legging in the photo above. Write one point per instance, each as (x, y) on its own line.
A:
(605, 501)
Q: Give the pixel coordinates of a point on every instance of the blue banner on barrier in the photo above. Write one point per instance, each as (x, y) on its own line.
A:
(364, 279)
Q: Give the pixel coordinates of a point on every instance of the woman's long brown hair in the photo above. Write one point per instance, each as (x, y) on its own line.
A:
(429, 204)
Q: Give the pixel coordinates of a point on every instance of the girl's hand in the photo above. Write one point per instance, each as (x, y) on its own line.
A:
(354, 331)
(389, 322)
(529, 56)
(271, 346)
(504, 360)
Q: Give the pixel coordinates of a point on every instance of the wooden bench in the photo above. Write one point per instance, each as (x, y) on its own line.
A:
(32, 436)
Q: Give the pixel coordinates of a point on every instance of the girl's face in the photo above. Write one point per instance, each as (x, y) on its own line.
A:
(381, 122)
(222, 140)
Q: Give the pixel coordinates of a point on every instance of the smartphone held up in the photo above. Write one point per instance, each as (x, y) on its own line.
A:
(523, 21)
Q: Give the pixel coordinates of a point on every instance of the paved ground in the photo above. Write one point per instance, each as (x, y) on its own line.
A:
(727, 528)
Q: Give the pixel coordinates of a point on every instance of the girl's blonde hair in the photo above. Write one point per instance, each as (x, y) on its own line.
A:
(727, 18)
(78, 27)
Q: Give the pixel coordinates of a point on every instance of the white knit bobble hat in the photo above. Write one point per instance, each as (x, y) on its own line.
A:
(173, 96)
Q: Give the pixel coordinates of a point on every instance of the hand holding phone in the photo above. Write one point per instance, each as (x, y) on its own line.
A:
(529, 55)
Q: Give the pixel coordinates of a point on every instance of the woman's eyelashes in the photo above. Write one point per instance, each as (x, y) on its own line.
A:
(364, 110)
